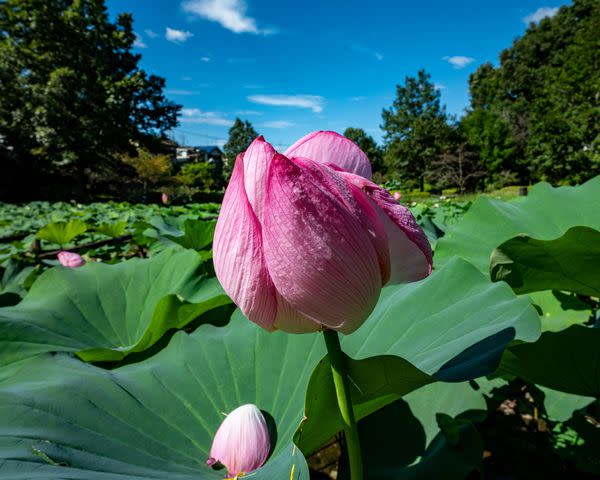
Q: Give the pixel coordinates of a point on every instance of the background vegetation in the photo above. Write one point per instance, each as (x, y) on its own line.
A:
(80, 119)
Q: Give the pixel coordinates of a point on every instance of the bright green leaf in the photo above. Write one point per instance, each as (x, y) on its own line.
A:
(155, 419)
(62, 233)
(105, 312)
(114, 230)
(569, 263)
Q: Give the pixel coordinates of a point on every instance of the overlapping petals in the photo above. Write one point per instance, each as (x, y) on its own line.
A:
(306, 242)
(242, 442)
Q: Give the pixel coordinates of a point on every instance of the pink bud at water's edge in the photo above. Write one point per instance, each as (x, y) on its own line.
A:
(70, 259)
(241, 443)
(306, 241)
(164, 198)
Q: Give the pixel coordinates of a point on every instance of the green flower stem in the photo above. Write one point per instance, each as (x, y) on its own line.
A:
(342, 390)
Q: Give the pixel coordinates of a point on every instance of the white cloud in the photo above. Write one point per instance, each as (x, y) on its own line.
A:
(312, 102)
(540, 13)
(355, 47)
(458, 61)
(139, 41)
(439, 86)
(248, 112)
(150, 33)
(230, 14)
(205, 59)
(277, 124)
(195, 115)
(177, 36)
(178, 91)
(358, 98)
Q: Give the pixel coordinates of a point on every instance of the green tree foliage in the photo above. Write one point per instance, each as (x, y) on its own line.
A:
(367, 145)
(538, 112)
(200, 176)
(415, 129)
(152, 169)
(241, 135)
(492, 139)
(72, 93)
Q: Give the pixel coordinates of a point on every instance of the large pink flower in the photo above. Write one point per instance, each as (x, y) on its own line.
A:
(306, 241)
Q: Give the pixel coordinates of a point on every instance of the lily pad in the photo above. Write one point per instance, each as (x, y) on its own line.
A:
(105, 312)
(62, 418)
(569, 263)
(546, 214)
(410, 341)
(62, 233)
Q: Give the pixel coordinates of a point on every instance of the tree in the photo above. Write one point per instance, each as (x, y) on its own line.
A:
(151, 169)
(415, 127)
(457, 166)
(545, 90)
(198, 175)
(73, 96)
(241, 135)
(366, 144)
(491, 137)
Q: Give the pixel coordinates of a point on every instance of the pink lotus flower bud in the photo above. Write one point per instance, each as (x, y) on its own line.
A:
(241, 443)
(397, 196)
(164, 198)
(307, 242)
(70, 259)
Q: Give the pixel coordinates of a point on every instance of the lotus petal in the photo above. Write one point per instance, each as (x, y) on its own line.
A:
(321, 260)
(410, 252)
(238, 254)
(331, 147)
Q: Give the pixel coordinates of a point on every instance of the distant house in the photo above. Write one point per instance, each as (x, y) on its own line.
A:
(206, 153)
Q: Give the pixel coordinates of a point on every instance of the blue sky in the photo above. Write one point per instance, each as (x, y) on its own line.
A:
(291, 67)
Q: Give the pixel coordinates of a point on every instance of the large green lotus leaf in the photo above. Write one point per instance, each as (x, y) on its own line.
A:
(452, 326)
(569, 263)
(62, 233)
(566, 361)
(105, 312)
(557, 314)
(560, 405)
(547, 213)
(188, 232)
(62, 418)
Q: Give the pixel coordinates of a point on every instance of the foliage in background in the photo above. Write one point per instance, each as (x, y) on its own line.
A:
(415, 127)
(537, 113)
(73, 95)
(241, 135)
(151, 169)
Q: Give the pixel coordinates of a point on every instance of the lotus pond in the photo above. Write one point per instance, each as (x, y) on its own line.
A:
(124, 368)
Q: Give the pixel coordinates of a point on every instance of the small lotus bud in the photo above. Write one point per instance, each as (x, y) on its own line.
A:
(241, 443)
(164, 198)
(70, 259)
